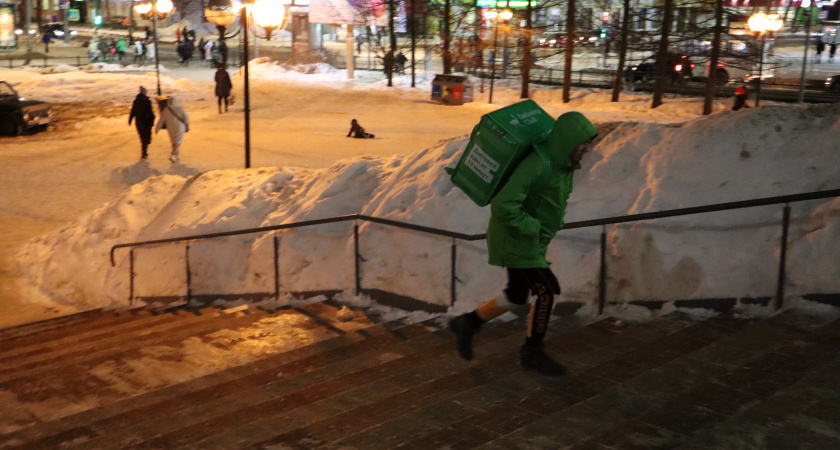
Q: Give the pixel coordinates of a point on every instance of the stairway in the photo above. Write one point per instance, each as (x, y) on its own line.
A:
(673, 382)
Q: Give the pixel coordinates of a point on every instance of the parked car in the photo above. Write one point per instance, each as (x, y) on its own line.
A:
(57, 30)
(553, 40)
(678, 67)
(18, 114)
(833, 84)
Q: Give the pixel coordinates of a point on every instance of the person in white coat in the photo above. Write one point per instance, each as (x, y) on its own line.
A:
(176, 121)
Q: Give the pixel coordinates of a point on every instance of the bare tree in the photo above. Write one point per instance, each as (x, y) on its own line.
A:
(662, 53)
(570, 50)
(711, 81)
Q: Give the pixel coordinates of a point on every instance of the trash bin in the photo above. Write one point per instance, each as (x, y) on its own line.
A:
(497, 144)
(451, 89)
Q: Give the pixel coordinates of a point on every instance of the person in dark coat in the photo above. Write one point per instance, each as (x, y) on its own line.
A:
(820, 49)
(223, 86)
(141, 110)
(832, 49)
(357, 131)
(400, 60)
(740, 98)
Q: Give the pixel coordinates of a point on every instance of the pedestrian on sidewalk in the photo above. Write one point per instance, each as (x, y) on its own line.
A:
(820, 48)
(223, 86)
(47, 38)
(120, 46)
(144, 120)
(740, 98)
(524, 217)
(175, 120)
(93, 50)
(832, 48)
(139, 52)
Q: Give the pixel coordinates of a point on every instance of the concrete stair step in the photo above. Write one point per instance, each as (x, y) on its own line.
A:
(144, 407)
(666, 406)
(51, 345)
(104, 344)
(299, 392)
(391, 399)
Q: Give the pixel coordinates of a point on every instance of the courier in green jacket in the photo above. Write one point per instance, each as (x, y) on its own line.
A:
(524, 217)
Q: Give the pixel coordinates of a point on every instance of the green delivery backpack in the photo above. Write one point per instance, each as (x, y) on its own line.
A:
(497, 145)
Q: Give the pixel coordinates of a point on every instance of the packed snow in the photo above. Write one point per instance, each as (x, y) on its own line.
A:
(77, 190)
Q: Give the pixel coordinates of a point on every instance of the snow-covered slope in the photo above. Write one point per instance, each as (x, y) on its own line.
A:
(636, 167)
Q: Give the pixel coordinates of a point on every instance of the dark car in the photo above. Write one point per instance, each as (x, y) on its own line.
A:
(833, 84)
(677, 68)
(57, 30)
(19, 114)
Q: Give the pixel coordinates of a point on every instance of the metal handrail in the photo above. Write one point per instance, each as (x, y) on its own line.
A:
(783, 199)
(476, 237)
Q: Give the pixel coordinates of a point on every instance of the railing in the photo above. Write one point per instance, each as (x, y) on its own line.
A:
(785, 199)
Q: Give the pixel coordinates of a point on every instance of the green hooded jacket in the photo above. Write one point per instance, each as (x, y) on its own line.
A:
(528, 210)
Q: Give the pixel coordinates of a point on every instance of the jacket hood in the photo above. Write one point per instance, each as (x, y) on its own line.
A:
(570, 130)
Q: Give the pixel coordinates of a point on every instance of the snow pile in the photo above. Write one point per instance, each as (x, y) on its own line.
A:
(60, 68)
(634, 168)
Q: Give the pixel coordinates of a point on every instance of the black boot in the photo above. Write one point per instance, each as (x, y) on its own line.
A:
(533, 358)
(464, 330)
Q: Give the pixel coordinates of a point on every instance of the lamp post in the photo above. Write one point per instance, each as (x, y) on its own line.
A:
(759, 24)
(159, 9)
(494, 15)
(268, 15)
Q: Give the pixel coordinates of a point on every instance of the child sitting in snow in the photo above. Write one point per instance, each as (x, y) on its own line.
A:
(357, 131)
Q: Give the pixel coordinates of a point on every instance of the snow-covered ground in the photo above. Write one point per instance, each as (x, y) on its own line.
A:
(73, 192)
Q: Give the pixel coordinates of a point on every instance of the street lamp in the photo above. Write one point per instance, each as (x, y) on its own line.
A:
(759, 24)
(494, 15)
(159, 9)
(267, 15)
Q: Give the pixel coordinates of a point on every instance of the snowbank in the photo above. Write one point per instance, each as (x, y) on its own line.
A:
(636, 167)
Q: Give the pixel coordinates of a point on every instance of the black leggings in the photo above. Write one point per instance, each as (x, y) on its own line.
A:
(540, 282)
(220, 101)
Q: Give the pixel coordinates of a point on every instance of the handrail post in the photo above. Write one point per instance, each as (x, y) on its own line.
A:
(131, 276)
(780, 285)
(189, 278)
(356, 251)
(276, 267)
(602, 279)
(453, 278)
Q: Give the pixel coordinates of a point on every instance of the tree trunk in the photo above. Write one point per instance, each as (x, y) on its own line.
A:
(661, 55)
(526, 53)
(711, 80)
(570, 49)
(389, 72)
(447, 19)
(622, 51)
(413, 31)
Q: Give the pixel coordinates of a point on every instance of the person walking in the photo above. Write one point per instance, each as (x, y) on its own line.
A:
(144, 120)
(47, 38)
(400, 60)
(151, 52)
(223, 86)
(93, 50)
(120, 49)
(740, 98)
(357, 131)
(820, 48)
(208, 50)
(139, 52)
(832, 48)
(176, 121)
(524, 217)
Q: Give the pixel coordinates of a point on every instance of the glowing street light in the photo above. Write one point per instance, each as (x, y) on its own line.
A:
(155, 10)
(760, 24)
(268, 15)
(494, 15)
